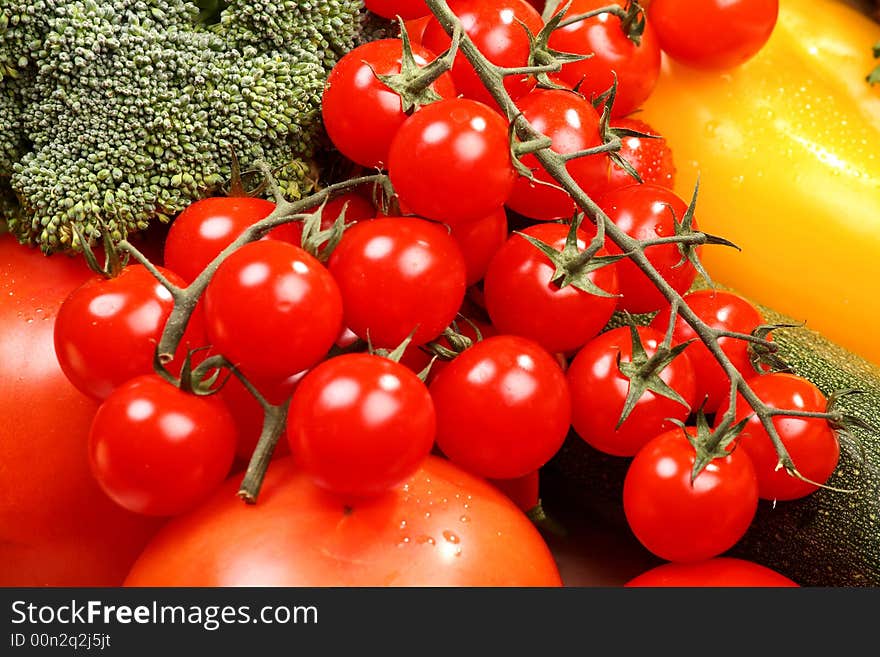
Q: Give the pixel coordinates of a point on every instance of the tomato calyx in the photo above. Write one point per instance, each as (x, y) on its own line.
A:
(763, 353)
(710, 445)
(643, 371)
(632, 18)
(842, 421)
(572, 266)
(413, 83)
(542, 55)
(321, 243)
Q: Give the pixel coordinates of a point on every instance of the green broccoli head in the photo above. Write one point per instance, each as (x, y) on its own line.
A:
(130, 109)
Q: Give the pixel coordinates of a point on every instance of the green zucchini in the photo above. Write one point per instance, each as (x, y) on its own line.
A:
(826, 539)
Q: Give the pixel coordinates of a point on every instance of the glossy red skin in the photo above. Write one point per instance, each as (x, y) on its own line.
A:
(396, 274)
(248, 415)
(417, 359)
(522, 300)
(107, 329)
(208, 226)
(415, 28)
(522, 491)
(479, 240)
(272, 309)
(717, 572)
(811, 443)
(637, 66)
(643, 212)
(503, 407)
(598, 391)
(356, 208)
(443, 527)
(651, 157)
(713, 34)
(495, 28)
(57, 527)
(360, 424)
(450, 161)
(395, 8)
(678, 519)
(157, 450)
(720, 310)
(573, 125)
(364, 135)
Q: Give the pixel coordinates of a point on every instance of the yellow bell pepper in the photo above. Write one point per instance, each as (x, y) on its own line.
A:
(787, 148)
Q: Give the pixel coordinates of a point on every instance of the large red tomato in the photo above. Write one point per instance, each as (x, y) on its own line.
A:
(443, 527)
(57, 528)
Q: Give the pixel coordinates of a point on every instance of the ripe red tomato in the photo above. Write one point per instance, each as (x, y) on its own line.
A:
(647, 212)
(650, 157)
(497, 28)
(364, 135)
(443, 527)
(107, 329)
(208, 226)
(394, 8)
(451, 162)
(573, 125)
(272, 309)
(57, 528)
(720, 310)
(522, 491)
(359, 424)
(522, 299)
(637, 66)
(503, 407)
(398, 274)
(713, 34)
(811, 443)
(599, 390)
(158, 450)
(683, 519)
(479, 240)
(720, 571)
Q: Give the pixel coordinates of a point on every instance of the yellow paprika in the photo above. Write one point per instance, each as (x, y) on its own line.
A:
(787, 149)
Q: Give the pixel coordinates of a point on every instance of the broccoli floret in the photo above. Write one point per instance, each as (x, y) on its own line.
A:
(125, 111)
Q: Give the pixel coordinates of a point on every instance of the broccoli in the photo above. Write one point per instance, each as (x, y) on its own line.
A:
(116, 113)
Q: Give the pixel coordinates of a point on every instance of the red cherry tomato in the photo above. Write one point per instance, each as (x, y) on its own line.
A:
(272, 309)
(713, 34)
(717, 572)
(680, 518)
(497, 28)
(479, 240)
(365, 135)
(522, 299)
(599, 390)
(650, 157)
(573, 125)
(522, 491)
(158, 450)
(503, 407)
(636, 65)
(398, 274)
(395, 8)
(442, 527)
(720, 310)
(107, 329)
(450, 161)
(811, 443)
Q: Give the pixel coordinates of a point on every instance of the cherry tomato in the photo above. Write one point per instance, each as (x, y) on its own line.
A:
(636, 65)
(647, 212)
(522, 491)
(364, 135)
(650, 157)
(599, 390)
(417, 359)
(479, 240)
(395, 8)
(713, 34)
(503, 407)
(679, 518)
(450, 161)
(497, 28)
(356, 208)
(360, 423)
(522, 299)
(57, 527)
(442, 527)
(158, 450)
(272, 309)
(573, 125)
(811, 443)
(717, 572)
(720, 310)
(107, 329)
(398, 274)
(208, 226)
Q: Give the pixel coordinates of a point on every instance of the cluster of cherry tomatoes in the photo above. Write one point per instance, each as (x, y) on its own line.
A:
(497, 336)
